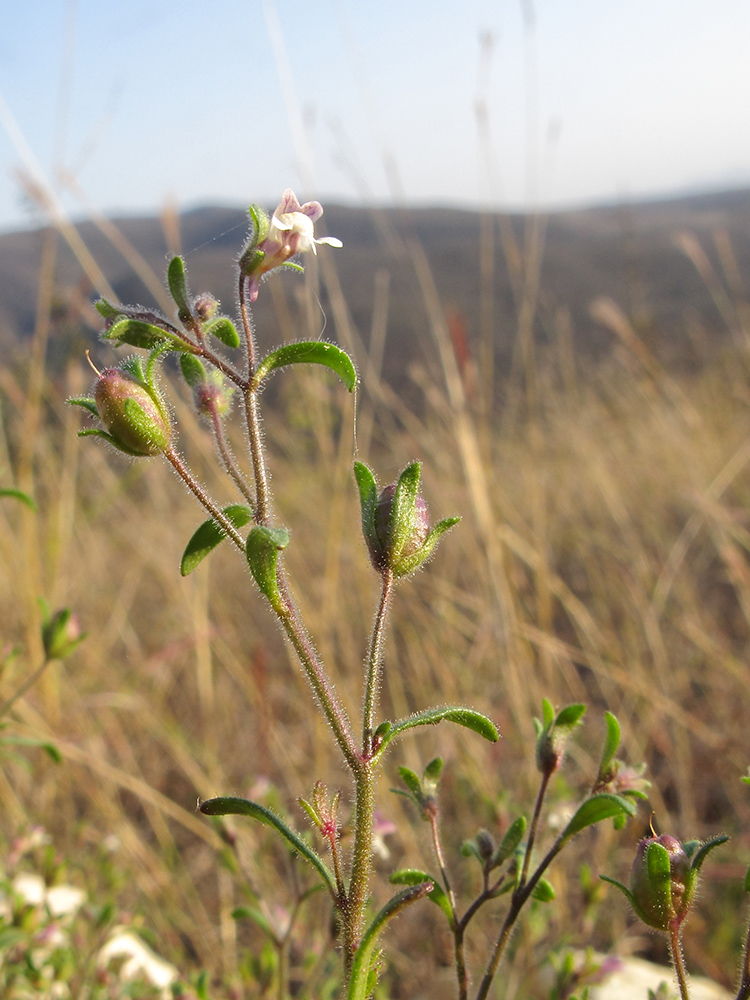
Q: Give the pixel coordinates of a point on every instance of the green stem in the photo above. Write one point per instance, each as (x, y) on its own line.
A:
(228, 459)
(678, 962)
(316, 674)
(533, 829)
(29, 682)
(374, 662)
(743, 992)
(197, 490)
(359, 882)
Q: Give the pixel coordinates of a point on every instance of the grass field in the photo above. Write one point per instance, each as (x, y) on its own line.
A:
(603, 556)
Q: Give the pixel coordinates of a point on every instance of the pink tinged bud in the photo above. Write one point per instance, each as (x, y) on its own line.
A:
(205, 306)
(137, 424)
(212, 397)
(61, 634)
(662, 882)
(385, 528)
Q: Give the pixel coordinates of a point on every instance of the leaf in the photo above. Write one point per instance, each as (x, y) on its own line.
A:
(610, 744)
(746, 884)
(313, 352)
(192, 368)
(412, 562)
(106, 310)
(262, 550)
(511, 840)
(623, 888)
(223, 329)
(258, 918)
(413, 876)
(570, 716)
(467, 717)
(403, 513)
(412, 782)
(177, 281)
(360, 981)
(19, 495)
(543, 891)
(138, 333)
(597, 808)
(27, 741)
(705, 849)
(210, 534)
(368, 501)
(231, 806)
(86, 402)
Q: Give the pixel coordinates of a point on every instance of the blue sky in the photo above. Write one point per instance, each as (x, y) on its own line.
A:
(231, 101)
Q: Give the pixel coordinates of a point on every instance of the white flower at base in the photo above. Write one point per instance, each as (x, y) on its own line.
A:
(141, 962)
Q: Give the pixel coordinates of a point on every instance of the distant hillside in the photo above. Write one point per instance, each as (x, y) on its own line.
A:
(625, 252)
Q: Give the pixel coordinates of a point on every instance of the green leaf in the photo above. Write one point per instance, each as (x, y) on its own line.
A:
(27, 741)
(548, 712)
(411, 781)
(19, 495)
(360, 981)
(262, 550)
(258, 918)
(210, 534)
(611, 744)
(106, 310)
(623, 888)
(543, 891)
(705, 849)
(231, 806)
(223, 329)
(86, 402)
(511, 840)
(570, 716)
(597, 808)
(413, 876)
(138, 333)
(467, 717)
(177, 281)
(313, 352)
(746, 884)
(403, 514)
(431, 775)
(415, 560)
(368, 502)
(192, 368)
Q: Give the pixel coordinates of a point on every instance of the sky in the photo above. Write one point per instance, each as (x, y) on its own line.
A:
(501, 103)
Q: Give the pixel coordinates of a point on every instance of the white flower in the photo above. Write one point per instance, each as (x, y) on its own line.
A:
(140, 961)
(291, 231)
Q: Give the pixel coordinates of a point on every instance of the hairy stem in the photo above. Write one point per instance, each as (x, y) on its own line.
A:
(678, 962)
(228, 460)
(197, 490)
(533, 829)
(359, 882)
(743, 992)
(374, 662)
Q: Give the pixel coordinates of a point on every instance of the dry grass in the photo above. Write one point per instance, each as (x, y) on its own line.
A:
(603, 556)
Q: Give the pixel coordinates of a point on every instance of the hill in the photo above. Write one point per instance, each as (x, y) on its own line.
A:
(626, 252)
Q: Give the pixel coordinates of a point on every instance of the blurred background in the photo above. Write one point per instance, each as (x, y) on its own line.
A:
(545, 212)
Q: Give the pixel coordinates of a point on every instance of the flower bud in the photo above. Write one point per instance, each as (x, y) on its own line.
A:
(211, 395)
(136, 421)
(61, 633)
(662, 882)
(382, 551)
(205, 306)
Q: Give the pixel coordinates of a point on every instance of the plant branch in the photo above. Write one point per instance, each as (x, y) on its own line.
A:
(197, 490)
(228, 459)
(678, 962)
(374, 662)
(533, 829)
(29, 682)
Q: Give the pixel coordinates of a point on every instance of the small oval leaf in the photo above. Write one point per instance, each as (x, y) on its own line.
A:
(177, 281)
(137, 333)
(310, 352)
(611, 745)
(223, 329)
(209, 535)
(543, 891)
(413, 876)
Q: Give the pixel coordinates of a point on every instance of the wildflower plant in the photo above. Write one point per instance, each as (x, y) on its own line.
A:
(223, 367)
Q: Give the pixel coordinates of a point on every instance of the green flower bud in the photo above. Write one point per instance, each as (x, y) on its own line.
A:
(61, 633)
(387, 529)
(137, 422)
(662, 882)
